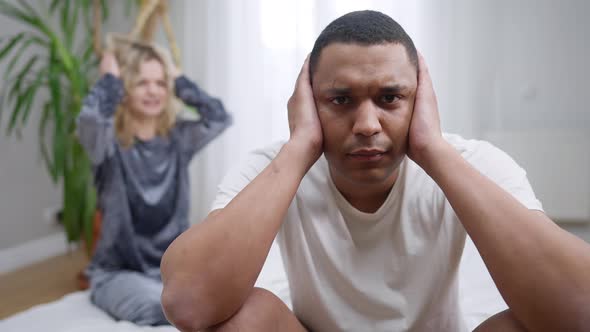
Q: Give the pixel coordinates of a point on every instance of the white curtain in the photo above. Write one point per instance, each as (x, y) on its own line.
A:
(249, 52)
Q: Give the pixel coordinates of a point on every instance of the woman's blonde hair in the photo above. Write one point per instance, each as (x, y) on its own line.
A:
(130, 55)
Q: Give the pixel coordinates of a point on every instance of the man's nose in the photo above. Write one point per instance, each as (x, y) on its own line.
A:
(367, 122)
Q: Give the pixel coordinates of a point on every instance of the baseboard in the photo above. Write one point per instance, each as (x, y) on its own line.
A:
(33, 251)
(582, 222)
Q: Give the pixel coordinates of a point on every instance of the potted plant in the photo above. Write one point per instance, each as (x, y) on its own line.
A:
(49, 66)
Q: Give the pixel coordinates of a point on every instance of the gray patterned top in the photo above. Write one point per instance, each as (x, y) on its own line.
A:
(144, 189)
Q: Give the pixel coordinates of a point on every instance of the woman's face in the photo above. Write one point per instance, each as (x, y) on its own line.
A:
(149, 93)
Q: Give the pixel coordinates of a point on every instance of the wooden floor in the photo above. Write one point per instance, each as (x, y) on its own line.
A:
(40, 283)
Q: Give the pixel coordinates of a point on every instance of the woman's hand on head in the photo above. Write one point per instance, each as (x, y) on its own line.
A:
(109, 65)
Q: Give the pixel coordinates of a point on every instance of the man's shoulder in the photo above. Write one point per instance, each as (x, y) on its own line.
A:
(243, 171)
(257, 159)
(474, 150)
(269, 151)
(485, 156)
(466, 146)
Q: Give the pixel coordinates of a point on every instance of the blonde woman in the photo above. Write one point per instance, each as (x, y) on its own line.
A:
(140, 153)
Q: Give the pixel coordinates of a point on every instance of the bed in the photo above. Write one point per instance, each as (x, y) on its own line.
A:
(74, 312)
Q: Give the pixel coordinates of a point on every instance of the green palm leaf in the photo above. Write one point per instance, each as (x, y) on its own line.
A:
(47, 157)
(24, 46)
(10, 45)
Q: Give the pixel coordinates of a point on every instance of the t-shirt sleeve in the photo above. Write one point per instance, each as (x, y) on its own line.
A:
(241, 175)
(498, 166)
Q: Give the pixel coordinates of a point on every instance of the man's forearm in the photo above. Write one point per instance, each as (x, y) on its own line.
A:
(212, 267)
(542, 272)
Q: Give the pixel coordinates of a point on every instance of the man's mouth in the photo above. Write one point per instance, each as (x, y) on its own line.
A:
(367, 154)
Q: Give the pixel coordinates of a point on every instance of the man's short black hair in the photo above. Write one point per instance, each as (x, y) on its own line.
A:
(365, 28)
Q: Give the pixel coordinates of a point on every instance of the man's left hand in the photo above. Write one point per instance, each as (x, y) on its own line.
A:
(425, 135)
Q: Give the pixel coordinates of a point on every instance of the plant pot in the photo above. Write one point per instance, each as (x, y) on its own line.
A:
(82, 279)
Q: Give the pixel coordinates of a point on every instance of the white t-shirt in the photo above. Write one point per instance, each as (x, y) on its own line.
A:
(392, 270)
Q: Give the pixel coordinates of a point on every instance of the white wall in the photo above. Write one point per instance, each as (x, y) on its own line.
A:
(540, 110)
(26, 192)
(515, 73)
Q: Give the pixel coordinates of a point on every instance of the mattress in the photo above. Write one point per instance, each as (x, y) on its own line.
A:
(479, 299)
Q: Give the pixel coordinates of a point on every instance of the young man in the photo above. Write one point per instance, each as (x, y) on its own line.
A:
(371, 204)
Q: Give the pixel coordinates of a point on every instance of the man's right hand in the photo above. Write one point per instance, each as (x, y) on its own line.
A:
(109, 65)
(304, 122)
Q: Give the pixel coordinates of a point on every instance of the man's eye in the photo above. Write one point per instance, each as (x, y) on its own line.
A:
(389, 99)
(340, 100)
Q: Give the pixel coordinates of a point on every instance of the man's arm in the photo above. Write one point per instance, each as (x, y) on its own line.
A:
(209, 271)
(542, 271)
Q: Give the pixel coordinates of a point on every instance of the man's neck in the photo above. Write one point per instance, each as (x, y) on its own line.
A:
(367, 198)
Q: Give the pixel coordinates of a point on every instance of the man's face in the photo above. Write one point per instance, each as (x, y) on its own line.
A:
(365, 98)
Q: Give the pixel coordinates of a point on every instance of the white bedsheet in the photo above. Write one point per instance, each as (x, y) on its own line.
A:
(74, 313)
